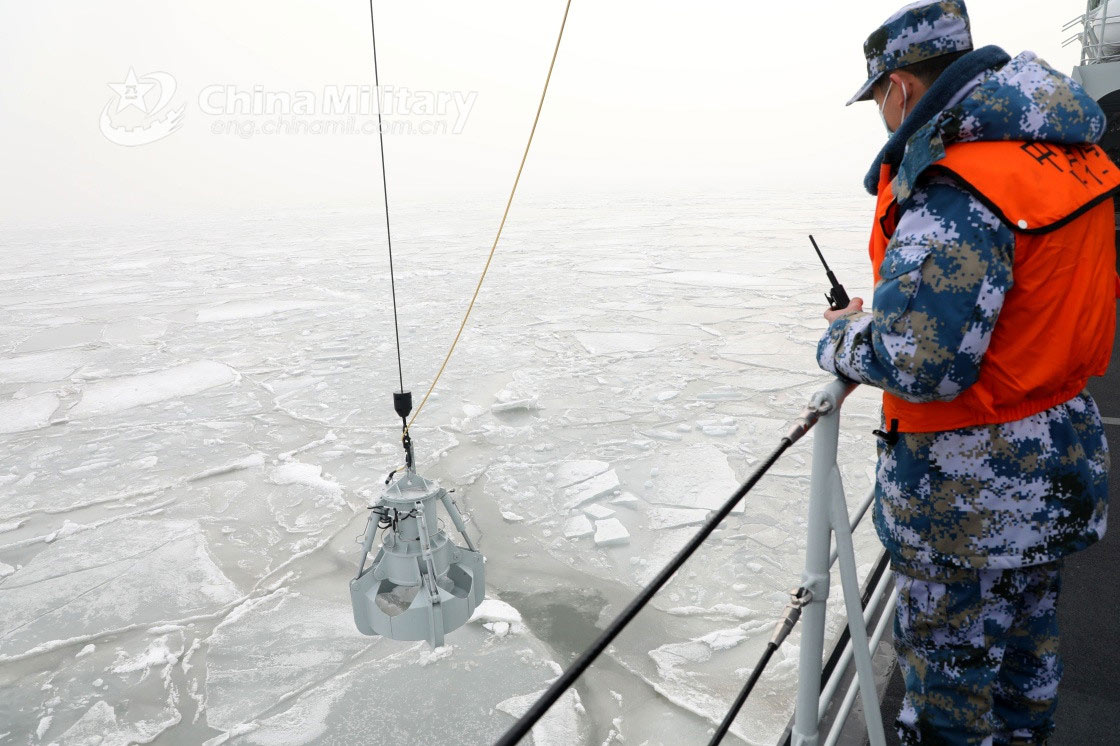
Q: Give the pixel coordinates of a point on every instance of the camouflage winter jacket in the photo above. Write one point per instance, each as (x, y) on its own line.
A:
(997, 496)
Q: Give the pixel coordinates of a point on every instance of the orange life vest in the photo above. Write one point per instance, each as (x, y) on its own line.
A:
(1057, 324)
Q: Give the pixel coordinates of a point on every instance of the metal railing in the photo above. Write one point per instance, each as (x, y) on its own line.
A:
(828, 519)
(819, 680)
(1096, 45)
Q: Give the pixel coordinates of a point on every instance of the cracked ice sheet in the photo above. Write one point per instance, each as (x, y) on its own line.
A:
(117, 576)
(40, 366)
(323, 365)
(81, 702)
(705, 673)
(281, 670)
(31, 413)
(117, 395)
(696, 477)
(130, 463)
(605, 343)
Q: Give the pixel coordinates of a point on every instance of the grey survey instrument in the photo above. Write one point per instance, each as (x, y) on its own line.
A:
(421, 584)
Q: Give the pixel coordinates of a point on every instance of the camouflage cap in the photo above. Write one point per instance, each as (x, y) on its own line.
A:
(920, 31)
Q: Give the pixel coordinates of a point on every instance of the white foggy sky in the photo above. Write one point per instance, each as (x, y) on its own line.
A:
(648, 96)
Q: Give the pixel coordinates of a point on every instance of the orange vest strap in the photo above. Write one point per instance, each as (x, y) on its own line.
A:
(1033, 187)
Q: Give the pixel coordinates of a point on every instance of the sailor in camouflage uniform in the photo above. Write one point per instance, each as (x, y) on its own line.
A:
(996, 466)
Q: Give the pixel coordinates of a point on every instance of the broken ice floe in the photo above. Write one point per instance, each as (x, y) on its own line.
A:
(731, 611)
(283, 669)
(578, 526)
(560, 726)
(30, 413)
(598, 512)
(236, 310)
(498, 617)
(528, 405)
(40, 366)
(591, 489)
(118, 575)
(310, 475)
(570, 472)
(118, 394)
(606, 343)
(611, 533)
(696, 477)
(659, 518)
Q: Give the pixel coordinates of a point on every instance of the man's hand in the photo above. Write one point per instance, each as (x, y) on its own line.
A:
(854, 307)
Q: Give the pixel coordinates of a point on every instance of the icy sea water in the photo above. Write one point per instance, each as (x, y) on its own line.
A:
(195, 415)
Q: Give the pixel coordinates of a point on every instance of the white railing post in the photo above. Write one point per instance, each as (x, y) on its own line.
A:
(828, 515)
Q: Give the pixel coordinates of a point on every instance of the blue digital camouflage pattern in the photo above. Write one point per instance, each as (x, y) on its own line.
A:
(919, 31)
(978, 650)
(1000, 496)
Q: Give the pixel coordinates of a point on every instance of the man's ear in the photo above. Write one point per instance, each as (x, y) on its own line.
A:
(900, 83)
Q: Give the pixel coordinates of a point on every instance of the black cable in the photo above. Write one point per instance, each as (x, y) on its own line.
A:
(729, 718)
(522, 727)
(385, 191)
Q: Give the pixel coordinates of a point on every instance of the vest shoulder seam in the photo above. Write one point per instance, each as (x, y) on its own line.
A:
(967, 186)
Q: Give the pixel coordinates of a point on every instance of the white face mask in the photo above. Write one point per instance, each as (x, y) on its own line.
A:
(905, 100)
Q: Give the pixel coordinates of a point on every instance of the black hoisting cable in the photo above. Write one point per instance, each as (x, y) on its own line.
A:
(729, 718)
(522, 727)
(799, 599)
(385, 191)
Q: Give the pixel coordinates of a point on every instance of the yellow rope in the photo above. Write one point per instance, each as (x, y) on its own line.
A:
(501, 225)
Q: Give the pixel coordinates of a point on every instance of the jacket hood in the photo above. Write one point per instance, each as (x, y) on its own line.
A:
(1026, 99)
(986, 96)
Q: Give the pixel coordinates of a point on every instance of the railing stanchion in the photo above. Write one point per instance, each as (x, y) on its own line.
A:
(815, 578)
(849, 580)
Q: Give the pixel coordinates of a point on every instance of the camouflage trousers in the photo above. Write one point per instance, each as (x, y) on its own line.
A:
(978, 650)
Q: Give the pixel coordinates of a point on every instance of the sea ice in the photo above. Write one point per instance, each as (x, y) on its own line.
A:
(271, 647)
(287, 669)
(118, 575)
(253, 309)
(660, 518)
(696, 477)
(40, 367)
(171, 504)
(733, 611)
(496, 610)
(157, 654)
(718, 279)
(19, 415)
(598, 512)
(514, 405)
(560, 726)
(610, 533)
(100, 725)
(591, 489)
(296, 472)
(118, 394)
(569, 472)
(578, 526)
(606, 343)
